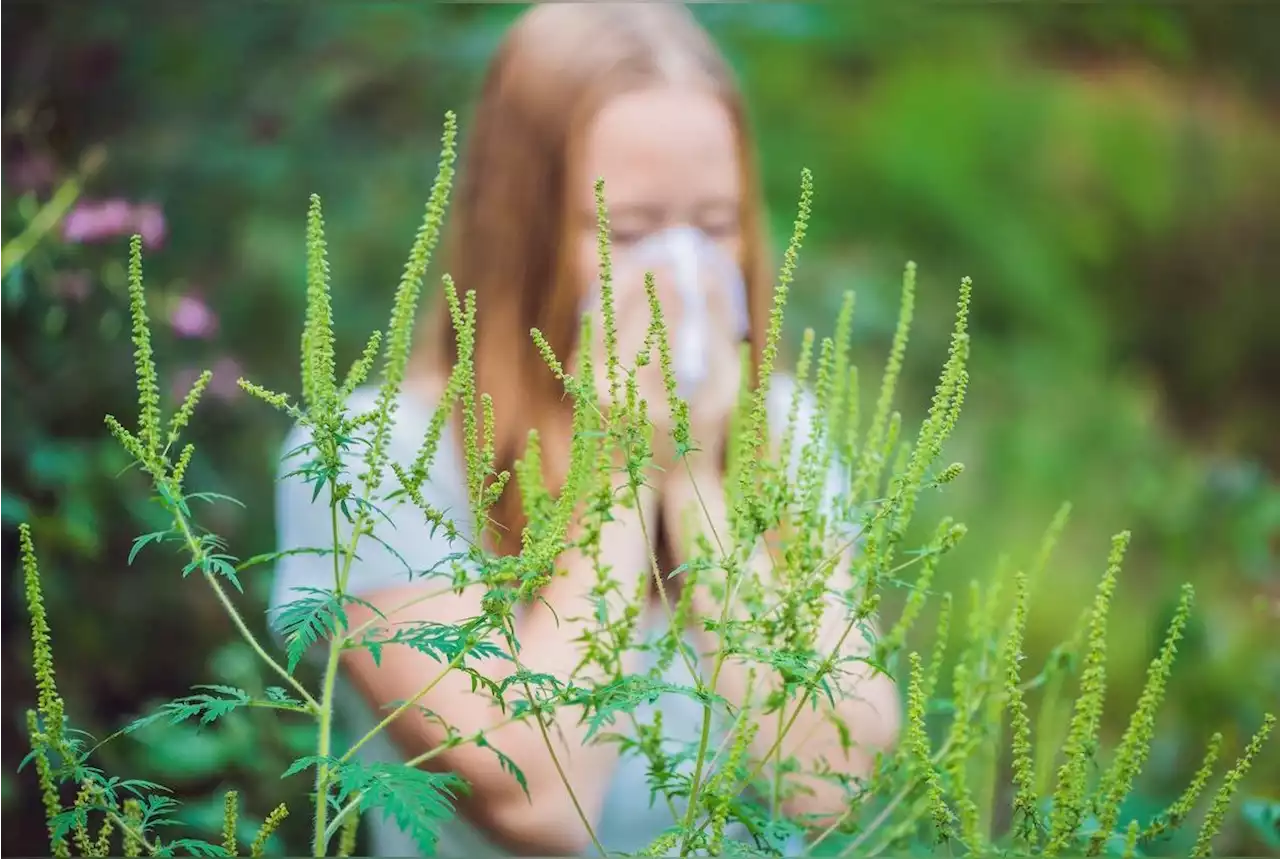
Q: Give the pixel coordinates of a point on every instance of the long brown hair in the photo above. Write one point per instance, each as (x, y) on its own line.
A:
(509, 224)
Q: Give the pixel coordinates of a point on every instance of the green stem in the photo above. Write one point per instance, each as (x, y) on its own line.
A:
(198, 555)
(555, 759)
(324, 742)
(395, 714)
(136, 833)
(705, 737)
(336, 823)
(887, 811)
(776, 792)
(16, 249)
(777, 744)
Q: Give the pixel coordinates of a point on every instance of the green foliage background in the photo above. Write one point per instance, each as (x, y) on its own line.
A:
(1109, 176)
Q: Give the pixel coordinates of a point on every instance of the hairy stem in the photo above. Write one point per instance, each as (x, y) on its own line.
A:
(198, 556)
(555, 759)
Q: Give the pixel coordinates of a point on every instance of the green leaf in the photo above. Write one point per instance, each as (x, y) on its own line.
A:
(223, 565)
(441, 641)
(308, 619)
(208, 707)
(507, 764)
(194, 847)
(1263, 817)
(625, 695)
(306, 763)
(277, 695)
(268, 557)
(140, 542)
(210, 497)
(418, 800)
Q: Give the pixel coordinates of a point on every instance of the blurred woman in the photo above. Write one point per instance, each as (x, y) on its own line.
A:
(639, 96)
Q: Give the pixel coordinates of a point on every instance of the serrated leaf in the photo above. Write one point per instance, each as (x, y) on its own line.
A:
(625, 695)
(277, 695)
(60, 825)
(416, 799)
(308, 619)
(305, 763)
(268, 557)
(194, 847)
(443, 642)
(140, 542)
(210, 497)
(223, 565)
(507, 765)
(208, 707)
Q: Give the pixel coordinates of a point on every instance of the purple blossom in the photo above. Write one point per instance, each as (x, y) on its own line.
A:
(192, 319)
(31, 173)
(91, 221)
(72, 286)
(223, 385)
(149, 222)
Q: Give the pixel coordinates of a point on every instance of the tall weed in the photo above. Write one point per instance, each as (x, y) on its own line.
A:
(976, 771)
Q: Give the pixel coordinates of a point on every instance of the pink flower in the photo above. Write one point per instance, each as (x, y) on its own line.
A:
(91, 221)
(73, 286)
(191, 318)
(149, 222)
(32, 173)
(223, 385)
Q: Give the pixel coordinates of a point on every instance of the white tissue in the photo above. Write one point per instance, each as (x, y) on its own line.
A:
(697, 266)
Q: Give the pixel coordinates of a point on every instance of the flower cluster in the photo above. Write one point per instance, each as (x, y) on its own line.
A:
(945, 782)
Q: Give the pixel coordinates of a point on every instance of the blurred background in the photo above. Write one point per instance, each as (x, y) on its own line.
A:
(1108, 175)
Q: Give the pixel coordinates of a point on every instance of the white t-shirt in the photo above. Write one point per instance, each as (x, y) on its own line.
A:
(629, 819)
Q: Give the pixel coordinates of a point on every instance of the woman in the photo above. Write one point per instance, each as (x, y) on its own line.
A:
(636, 95)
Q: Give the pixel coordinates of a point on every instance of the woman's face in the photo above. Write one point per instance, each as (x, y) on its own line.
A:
(669, 157)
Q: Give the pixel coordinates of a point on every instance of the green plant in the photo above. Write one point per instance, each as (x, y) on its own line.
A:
(939, 788)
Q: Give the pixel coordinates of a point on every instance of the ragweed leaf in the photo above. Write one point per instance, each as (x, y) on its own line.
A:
(417, 800)
(193, 847)
(209, 708)
(139, 543)
(443, 642)
(506, 763)
(623, 696)
(310, 618)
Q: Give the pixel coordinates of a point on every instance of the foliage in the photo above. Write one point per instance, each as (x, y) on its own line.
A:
(1107, 174)
(943, 785)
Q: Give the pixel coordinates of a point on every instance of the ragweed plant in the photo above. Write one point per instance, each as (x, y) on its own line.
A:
(788, 532)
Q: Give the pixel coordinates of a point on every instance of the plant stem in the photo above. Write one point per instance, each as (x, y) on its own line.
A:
(418, 760)
(16, 249)
(885, 812)
(777, 744)
(136, 833)
(395, 714)
(661, 585)
(730, 588)
(198, 556)
(555, 759)
(324, 741)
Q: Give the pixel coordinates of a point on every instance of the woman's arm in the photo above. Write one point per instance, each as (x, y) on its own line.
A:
(694, 502)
